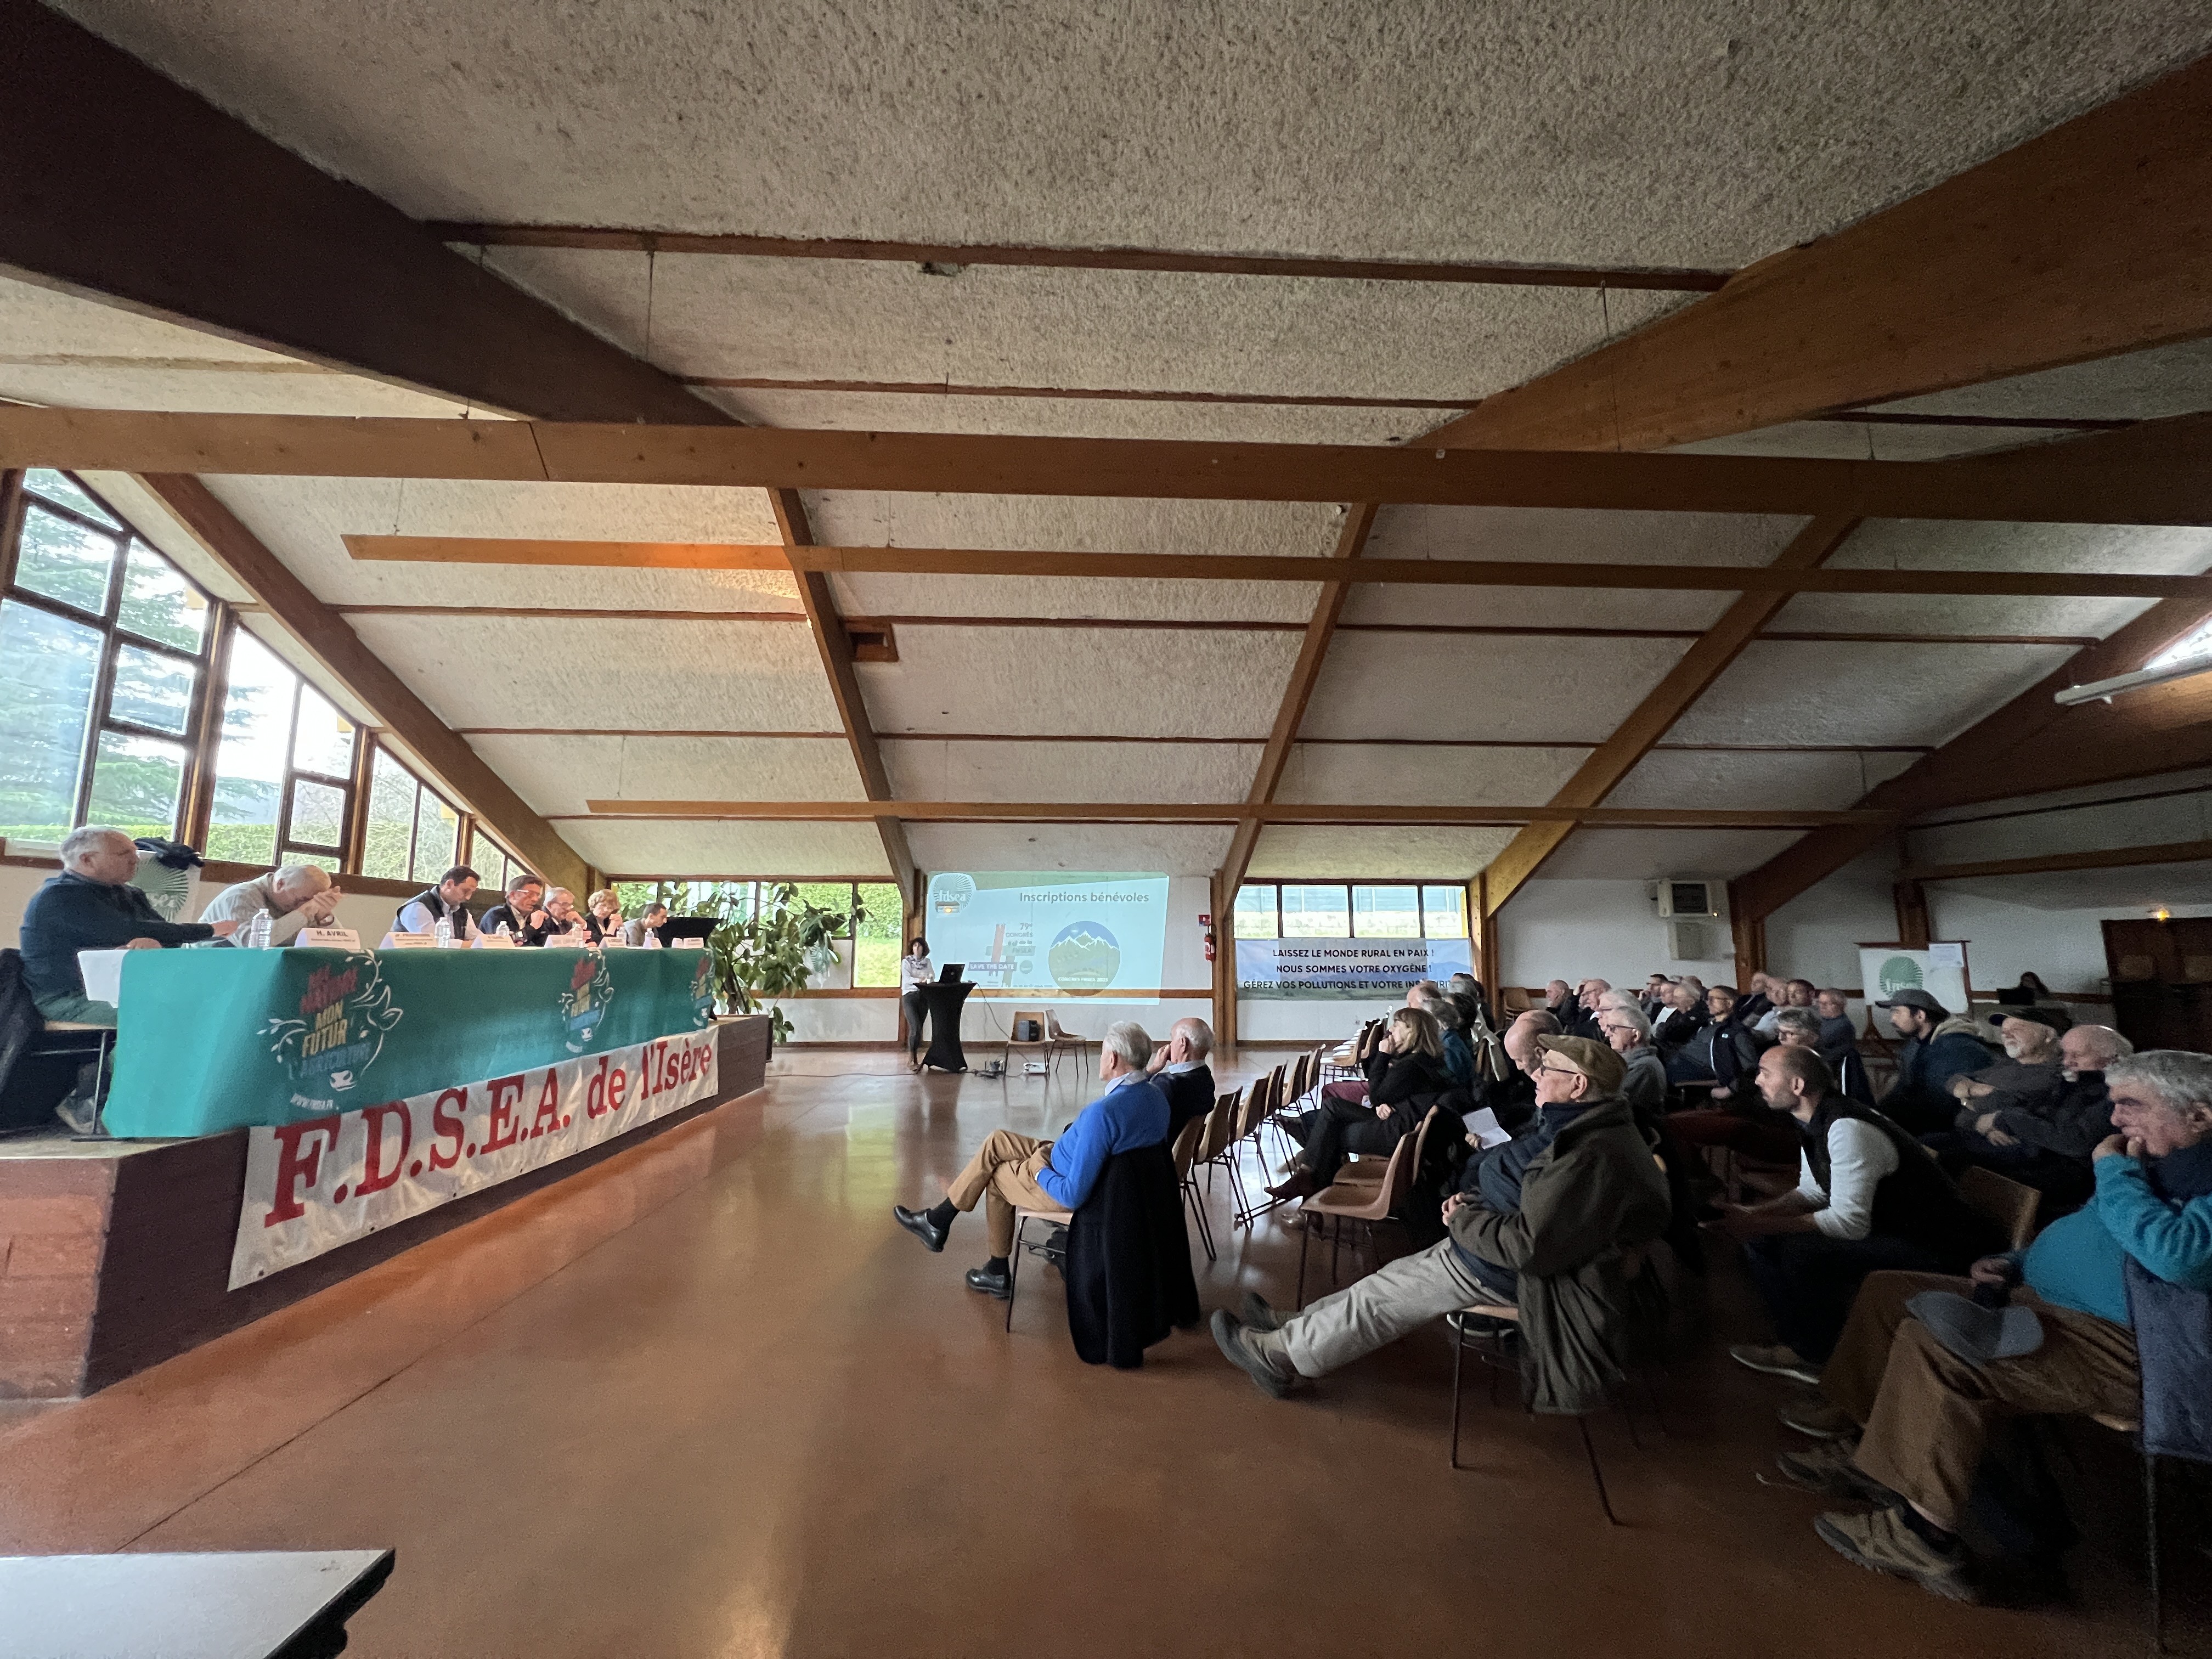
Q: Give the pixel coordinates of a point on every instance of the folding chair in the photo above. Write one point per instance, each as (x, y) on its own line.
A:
(1260, 1104)
(68, 1038)
(1185, 1151)
(2005, 1203)
(1022, 1219)
(1363, 1202)
(1043, 1040)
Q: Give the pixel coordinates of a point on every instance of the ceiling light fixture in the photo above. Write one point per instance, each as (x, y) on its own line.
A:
(2105, 690)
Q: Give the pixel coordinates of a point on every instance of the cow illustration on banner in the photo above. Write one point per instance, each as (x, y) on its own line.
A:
(343, 1016)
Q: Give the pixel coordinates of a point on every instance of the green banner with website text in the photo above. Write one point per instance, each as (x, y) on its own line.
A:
(211, 1040)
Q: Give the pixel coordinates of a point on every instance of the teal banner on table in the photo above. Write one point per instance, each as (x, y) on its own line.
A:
(211, 1040)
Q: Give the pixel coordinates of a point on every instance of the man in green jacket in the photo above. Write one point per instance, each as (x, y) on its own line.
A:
(1565, 1253)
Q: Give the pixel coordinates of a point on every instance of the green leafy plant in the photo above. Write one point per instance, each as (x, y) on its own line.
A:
(770, 952)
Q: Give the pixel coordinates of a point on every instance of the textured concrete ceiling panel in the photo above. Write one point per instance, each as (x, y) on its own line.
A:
(1346, 775)
(1870, 441)
(643, 847)
(1175, 850)
(1680, 132)
(1942, 613)
(303, 520)
(1692, 778)
(561, 773)
(1434, 851)
(711, 315)
(1073, 597)
(1513, 687)
(1076, 417)
(676, 675)
(931, 769)
(2141, 385)
(2183, 888)
(1832, 692)
(1103, 681)
(1655, 855)
(1073, 524)
(2155, 821)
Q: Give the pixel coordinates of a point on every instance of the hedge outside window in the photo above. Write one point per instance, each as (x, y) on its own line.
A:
(105, 694)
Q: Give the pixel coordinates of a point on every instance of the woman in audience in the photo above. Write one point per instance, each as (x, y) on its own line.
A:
(1405, 1076)
(603, 914)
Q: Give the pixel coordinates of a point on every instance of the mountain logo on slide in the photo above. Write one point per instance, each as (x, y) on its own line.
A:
(1899, 973)
(949, 894)
(1084, 956)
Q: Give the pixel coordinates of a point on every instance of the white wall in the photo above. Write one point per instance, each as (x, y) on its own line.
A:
(1817, 935)
(1570, 930)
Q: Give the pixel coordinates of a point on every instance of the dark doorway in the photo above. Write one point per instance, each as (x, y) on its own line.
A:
(2161, 982)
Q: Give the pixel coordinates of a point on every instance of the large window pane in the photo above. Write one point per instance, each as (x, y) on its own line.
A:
(158, 603)
(1386, 913)
(322, 860)
(45, 698)
(1256, 912)
(257, 734)
(317, 814)
(152, 688)
(64, 560)
(60, 487)
(437, 829)
(387, 849)
(325, 737)
(876, 952)
(826, 896)
(135, 784)
(1315, 913)
(1445, 911)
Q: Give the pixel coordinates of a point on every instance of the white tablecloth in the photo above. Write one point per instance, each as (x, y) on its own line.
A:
(103, 974)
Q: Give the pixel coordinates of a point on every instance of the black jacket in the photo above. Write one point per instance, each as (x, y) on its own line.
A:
(518, 926)
(1129, 1272)
(2068, 1126)
(71, 914)
(1190, 1094)
(1918, 1202)
(1408, 1083)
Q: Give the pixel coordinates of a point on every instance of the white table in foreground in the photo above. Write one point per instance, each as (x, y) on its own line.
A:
(280, 1604)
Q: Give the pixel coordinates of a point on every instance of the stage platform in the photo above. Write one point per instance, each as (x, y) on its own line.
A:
(116, 1255)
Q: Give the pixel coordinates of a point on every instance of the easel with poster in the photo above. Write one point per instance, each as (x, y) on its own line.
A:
(1938, 968)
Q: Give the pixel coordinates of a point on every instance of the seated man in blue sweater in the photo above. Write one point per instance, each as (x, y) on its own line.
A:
(1927, 1410)
(1011, 1171)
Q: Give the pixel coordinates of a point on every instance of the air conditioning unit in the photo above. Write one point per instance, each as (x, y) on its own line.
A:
(1693, 941)
(1678, 897)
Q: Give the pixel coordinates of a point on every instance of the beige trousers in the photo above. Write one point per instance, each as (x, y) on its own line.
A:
(1003, 1174)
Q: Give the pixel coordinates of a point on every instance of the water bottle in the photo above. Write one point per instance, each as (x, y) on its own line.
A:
(257, 931)
(505, 932)
(445, 932)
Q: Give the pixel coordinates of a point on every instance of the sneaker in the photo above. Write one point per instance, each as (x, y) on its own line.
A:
(1817, 1420)
(79, 1115)
(1882, 1542)
(1237, 1348)
(1256, 1314)
(1777, 1361)
(1828, 1470)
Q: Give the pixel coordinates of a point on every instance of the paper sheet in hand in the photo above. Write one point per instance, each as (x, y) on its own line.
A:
(1482, 1124)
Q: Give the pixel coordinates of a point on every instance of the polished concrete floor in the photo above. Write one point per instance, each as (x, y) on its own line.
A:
(756, 1419)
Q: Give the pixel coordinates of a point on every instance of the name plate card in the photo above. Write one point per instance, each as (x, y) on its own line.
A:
(575, 941)
(493, 942)
(330, 938)
(688, 944)
(395, 941)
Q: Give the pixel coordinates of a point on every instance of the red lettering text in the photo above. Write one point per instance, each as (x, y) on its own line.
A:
(297, 1162)
(502, 1128)
(595, 1096)
(617, 1088)
(374, 1177)
(549, 1105)
(448, 1126)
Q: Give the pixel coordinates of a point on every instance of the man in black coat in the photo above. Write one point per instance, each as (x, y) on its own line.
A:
(1179, 1071)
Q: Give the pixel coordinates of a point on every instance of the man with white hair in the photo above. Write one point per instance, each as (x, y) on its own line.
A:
(296, 896)
(2044, 1140)
(1011, 1171)
(1182, 1075)
(93, 906)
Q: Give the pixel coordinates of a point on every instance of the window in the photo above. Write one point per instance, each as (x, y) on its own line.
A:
(874, 947)
(1348, 910)
(283, 772)
(411, 832)
(106, 694)
(882, 937)
(494, 864)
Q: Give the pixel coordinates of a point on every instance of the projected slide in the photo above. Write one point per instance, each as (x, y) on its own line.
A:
(1053, 933)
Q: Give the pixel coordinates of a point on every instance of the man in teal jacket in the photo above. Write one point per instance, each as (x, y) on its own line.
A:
(1927, 1407)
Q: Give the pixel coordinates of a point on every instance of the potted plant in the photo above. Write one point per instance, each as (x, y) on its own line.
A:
(771, 953)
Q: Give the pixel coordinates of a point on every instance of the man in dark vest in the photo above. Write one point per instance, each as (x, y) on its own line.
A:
(449, 898)
(1179, 1071)
(1868, 1198)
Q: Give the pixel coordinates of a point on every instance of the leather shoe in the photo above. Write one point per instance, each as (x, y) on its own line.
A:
(991, 1282)
(918, 1223)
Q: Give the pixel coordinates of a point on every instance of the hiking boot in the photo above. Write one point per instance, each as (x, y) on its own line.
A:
(1776, 1361)
(1270, 1373)
(1817, 1420)
(1828, 1470)
(1883, 1542)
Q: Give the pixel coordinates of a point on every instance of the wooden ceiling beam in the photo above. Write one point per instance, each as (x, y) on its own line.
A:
(1689, 678)
(601, 238)
(122, 185)
(2087, 241)
(2160, 477)
(835, 811)
(835, 647)
(1773, 579)
(2030, 746)
(452, 764)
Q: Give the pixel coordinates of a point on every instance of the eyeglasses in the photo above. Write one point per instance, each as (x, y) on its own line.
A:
(1564, 1071)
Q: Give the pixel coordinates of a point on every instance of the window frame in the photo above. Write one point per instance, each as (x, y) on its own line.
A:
(17, 499)
(1418, 884)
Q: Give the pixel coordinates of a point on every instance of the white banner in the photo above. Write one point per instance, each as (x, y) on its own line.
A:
(324, 1182)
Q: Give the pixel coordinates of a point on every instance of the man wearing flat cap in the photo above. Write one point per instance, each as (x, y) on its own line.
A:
(1934, 1047)
(1591, 1191)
